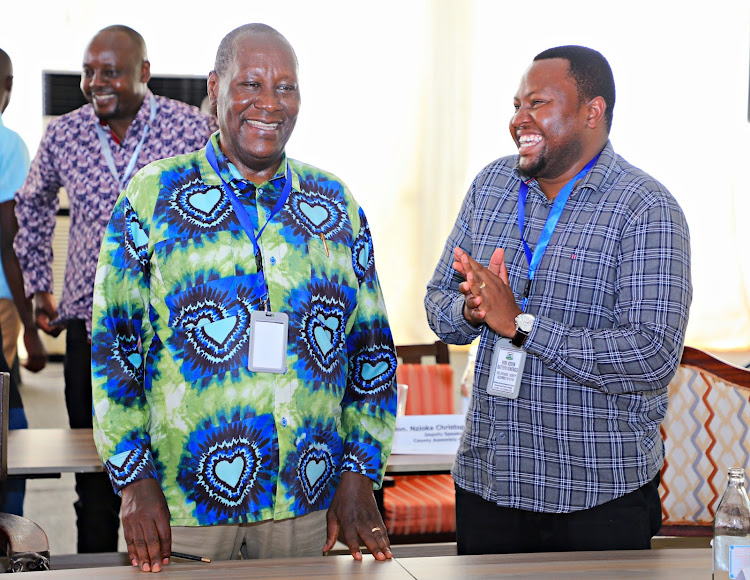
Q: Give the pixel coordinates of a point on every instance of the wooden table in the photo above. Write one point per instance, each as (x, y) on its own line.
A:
(49, 452)
(419, 464)
(670, 564)
(676, 564)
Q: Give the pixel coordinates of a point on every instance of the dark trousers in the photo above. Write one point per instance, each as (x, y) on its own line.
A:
(626, 523)
(98, 506)
(13, 489)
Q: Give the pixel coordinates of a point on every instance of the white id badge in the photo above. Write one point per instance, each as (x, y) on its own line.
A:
(268, 336)
(506, 369)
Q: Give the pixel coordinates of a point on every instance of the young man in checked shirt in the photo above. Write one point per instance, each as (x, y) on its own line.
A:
(582, 325)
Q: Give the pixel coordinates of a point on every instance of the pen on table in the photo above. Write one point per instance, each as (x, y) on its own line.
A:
(191, 557)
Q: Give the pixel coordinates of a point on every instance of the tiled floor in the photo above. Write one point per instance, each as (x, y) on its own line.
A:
(49, 502)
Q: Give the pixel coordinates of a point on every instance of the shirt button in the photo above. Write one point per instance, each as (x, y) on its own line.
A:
(260, 191)
(283, 421)
(502, 435)
(273, 260)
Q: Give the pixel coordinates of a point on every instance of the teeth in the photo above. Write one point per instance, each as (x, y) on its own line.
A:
(529, 140)
(262, 125)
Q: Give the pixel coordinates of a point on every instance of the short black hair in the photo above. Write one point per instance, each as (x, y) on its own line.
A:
(226, 47)
(591, 73)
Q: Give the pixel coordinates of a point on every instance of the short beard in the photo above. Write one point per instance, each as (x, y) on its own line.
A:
(565, 157)
(106, 116)
(536, 167)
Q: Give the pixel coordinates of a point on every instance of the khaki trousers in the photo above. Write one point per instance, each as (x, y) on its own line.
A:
(302, 536)
(10, 322)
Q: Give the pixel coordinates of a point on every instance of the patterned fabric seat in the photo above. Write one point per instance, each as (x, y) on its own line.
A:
(421, 508)
(705, 433)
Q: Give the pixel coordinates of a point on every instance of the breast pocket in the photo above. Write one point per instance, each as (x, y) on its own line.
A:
(208, 314)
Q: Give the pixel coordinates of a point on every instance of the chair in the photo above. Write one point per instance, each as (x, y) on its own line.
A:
(412, 354)
(25, 543)
(422, 508)
(705, 433)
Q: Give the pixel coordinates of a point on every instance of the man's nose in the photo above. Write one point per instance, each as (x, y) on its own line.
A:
(520, 117)
(97, 78)
(268, 99)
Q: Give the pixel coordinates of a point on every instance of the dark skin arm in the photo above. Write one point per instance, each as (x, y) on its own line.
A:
(353, 515)
(37, 353)
(488, 299)
(145, 525)
(45, 311)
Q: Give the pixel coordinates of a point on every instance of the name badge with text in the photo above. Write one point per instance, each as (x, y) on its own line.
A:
(506, 369)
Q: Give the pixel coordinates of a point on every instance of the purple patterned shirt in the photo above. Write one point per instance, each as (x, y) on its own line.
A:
(70, 156)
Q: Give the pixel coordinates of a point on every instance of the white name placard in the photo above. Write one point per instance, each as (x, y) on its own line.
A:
(427, 434)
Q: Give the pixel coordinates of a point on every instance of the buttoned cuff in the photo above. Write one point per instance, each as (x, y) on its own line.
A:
(130, 466)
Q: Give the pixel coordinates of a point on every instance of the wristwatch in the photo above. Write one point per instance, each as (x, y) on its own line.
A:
(524, 322)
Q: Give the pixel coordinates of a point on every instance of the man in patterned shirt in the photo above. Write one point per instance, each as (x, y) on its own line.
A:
(574, 268)
(240, 456)
(92, 152)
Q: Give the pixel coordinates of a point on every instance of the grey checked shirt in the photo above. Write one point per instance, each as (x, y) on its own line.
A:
(611, 298)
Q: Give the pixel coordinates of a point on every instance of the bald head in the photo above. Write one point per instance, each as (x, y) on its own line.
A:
(137, 44)
(228, 45)
(6, 79)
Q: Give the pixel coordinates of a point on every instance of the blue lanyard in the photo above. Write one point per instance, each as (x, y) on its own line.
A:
(243, 216)
(107, 152)
(535, 257)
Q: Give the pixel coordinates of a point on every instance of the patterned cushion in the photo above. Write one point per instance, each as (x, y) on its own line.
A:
(705, 433)
(420, 504)
(423, 504)
(430, 388)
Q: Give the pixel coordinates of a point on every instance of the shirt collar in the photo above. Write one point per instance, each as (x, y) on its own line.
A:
(1, 120)
(230, 174)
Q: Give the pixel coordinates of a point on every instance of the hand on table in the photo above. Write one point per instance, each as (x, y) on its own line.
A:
(145, 523)
(354, 515)
(488, 298)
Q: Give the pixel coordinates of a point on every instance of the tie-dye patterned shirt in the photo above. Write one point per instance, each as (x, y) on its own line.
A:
(173, 396)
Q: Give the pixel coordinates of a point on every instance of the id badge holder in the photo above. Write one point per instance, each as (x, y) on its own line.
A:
(268, 337)
(506, 370)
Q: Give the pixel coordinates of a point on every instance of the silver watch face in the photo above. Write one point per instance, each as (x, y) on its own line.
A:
(524, 322)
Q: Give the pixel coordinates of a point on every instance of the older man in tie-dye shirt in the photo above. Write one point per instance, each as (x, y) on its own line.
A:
(239, 456)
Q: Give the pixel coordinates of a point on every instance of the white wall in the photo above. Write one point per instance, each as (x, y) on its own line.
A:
(368, 69)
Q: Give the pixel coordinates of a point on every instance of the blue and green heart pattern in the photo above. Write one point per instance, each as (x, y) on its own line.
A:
(311, 474)
(323, 329)
(191, 207)
(224, 470)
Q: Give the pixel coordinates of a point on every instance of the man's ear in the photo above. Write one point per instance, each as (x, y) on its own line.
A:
(212, 87)
(596, 109)
(145, 71)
